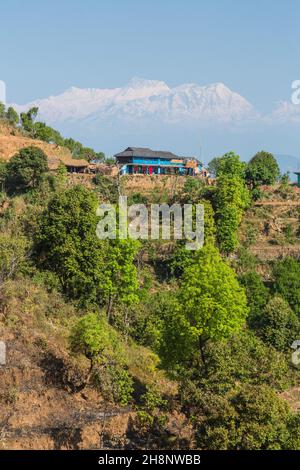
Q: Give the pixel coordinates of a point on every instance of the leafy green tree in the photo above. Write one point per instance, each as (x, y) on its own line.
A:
(90, 270)
(192, 190)
(250, 418)
(211, 306)
(231, 199)
(27, 120)
(66, 243)
(121, 283)
(74, 146)
(13, 254)
(262, 169)
(242, 358)
(287, 281)
(107, 188)
(181, 257)
(12, 116)
(229, 164)
(93, 337)
(26, 169)
(47, 134)
(257, 296)
(279, 324)
(228, 220)
(231, 191)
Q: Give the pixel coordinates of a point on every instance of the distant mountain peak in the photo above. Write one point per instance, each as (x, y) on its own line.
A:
(138, 82)
(144, 99)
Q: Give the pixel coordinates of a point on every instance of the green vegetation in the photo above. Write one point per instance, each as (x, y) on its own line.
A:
(196, 338)
(28, 125)
(262, 169)
(231, 198)
(26, 169)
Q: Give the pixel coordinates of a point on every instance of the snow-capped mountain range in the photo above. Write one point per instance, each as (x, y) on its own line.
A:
(184, 119)
(143, 99)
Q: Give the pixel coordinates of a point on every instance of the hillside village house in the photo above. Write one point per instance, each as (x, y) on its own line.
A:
(138, 160)
(298, 178)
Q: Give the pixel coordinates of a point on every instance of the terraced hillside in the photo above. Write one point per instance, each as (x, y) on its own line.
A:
(271, 226)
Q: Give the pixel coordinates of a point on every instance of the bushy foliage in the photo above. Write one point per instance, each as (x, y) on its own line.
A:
(100, 343)
(279, 325)
(13, 253)
(212, 305)
(262, 169)
(26, 169)
(287, 281)
(90, 270)
(229, 164)
(257, 296)
(231, 199)
(249, 418)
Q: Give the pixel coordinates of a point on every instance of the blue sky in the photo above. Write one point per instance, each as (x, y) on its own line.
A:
(251, 46)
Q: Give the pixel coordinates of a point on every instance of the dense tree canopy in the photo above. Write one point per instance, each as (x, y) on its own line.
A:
(89, 269)
(279, 324)
(257, 296)
(212, 305)
(287, 281)
(230, 199)
(26, 169)
(229, 164)
(262, 169)
(12, 116)
(252, 418)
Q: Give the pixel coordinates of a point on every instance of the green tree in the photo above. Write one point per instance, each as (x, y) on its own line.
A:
(181, 257)
(229, 164)
(279, 324)
(47, 134)
(249, 418)
(262, 169)
(27, 120)
(102, 346)
(66, 243)
(257, 296)
(93, 337)
(228, 220)
(242, 358)
(192, 190)
(231, 199)
(121, 283)
(13, 253)
(26, 169)
(90, 270)
(12, 116)
(287, 281)
(211, 306)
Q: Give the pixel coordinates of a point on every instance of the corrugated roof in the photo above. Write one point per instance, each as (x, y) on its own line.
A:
(146, 152)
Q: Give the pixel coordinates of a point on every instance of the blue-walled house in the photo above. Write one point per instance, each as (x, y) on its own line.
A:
(138, 160)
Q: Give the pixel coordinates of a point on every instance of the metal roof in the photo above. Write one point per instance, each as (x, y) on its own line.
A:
(146, 152)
